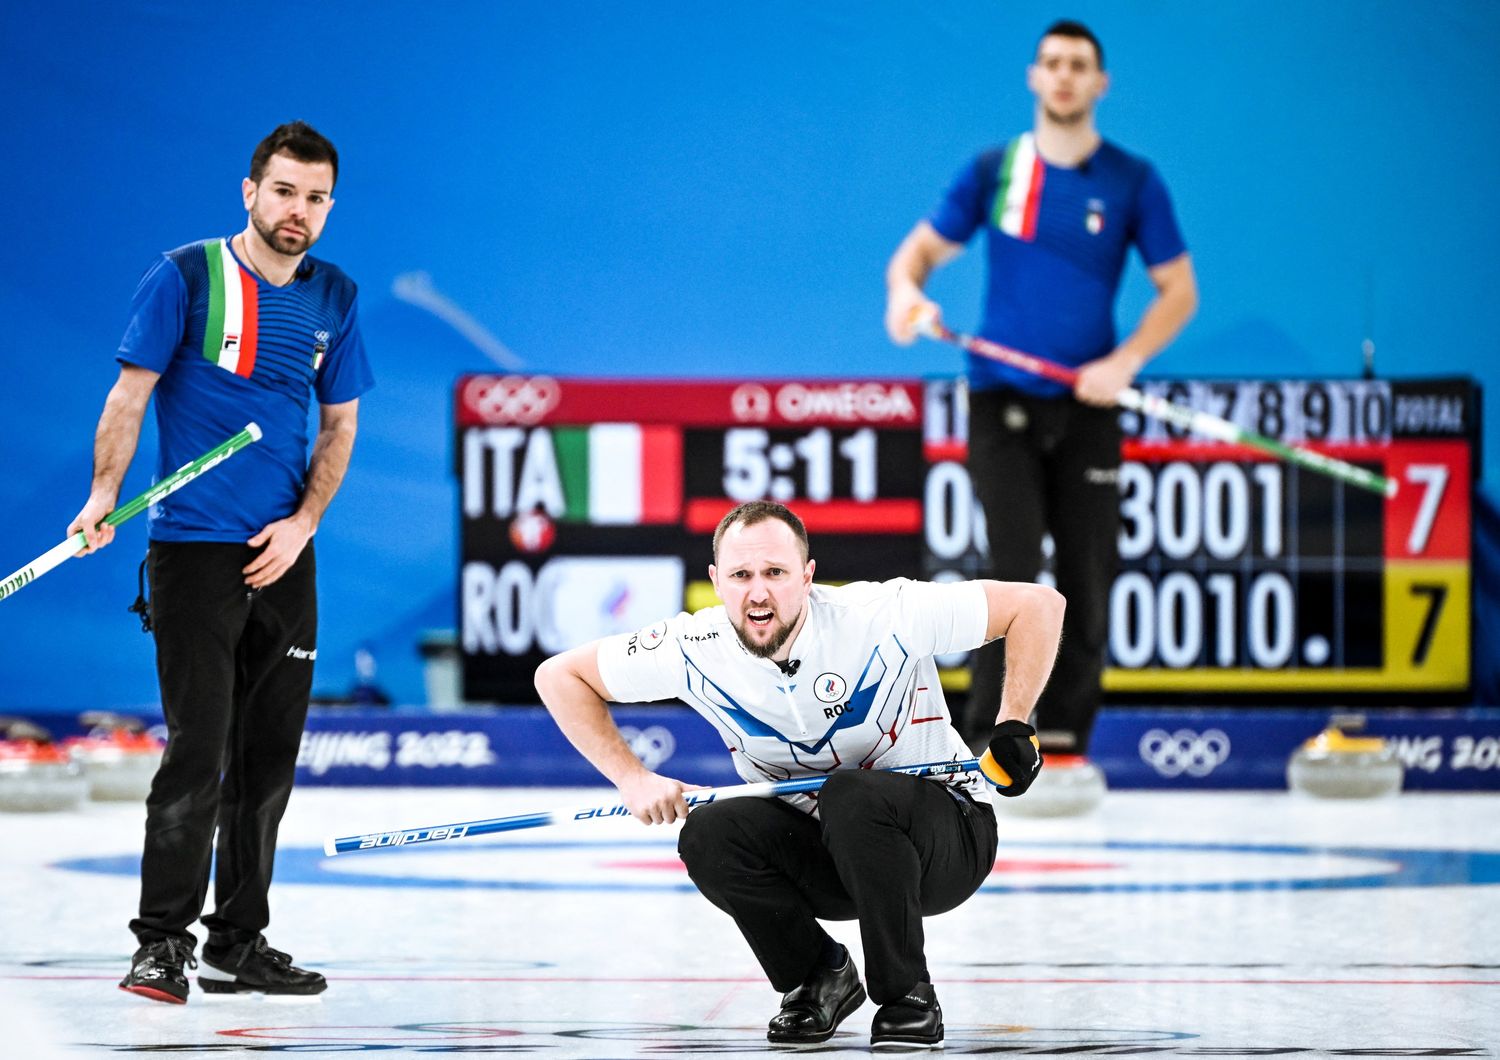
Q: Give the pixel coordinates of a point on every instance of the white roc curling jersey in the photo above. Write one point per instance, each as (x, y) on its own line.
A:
(865, 692)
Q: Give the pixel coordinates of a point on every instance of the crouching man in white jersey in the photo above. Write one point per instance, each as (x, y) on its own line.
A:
(802, 679)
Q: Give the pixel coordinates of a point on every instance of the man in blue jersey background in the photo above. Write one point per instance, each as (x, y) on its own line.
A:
(1061, 207)
(224, 332)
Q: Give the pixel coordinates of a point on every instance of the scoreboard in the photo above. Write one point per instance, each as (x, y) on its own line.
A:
(587, 508)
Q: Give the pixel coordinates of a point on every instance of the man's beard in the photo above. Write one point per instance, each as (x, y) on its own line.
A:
(271, 239)
(773, 644)
(1074, 118)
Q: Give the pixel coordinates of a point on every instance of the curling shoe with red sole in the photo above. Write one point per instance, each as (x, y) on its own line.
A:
(156, 971)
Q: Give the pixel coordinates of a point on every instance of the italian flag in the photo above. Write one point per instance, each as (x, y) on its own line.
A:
(620, 474)
(233, 312)
(1020, 191)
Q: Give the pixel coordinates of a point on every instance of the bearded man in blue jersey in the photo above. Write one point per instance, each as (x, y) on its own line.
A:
(1061, 207)
(225, 331)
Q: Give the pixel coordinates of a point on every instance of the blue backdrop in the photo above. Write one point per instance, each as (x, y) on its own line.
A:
(675, 188)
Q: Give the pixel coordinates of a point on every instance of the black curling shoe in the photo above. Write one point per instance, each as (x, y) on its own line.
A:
(156, 970)
(814, 1010)
(255, 968)
(914, 1022)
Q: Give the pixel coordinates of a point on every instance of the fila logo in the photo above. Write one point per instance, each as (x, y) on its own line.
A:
(231, 344)
(295, 652)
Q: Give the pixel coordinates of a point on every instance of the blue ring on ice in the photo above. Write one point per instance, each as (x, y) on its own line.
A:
(1413, 868)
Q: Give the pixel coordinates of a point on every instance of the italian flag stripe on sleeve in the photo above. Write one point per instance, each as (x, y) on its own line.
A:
(620, 474)
(229, 337)
(1019, 195)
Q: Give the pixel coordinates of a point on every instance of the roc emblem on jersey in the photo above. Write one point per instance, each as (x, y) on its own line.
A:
(830, 688)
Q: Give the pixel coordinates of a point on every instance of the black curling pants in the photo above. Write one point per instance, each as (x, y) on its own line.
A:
(235, 669)
(1043, 465)
(889, 849)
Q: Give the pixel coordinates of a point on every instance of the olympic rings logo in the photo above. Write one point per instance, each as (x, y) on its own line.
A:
(511, 398)
(1184, 751)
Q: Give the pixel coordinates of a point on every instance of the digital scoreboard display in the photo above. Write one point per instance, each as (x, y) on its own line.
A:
(587, 508)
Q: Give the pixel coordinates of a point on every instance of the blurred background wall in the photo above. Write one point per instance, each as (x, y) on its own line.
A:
(673, 189)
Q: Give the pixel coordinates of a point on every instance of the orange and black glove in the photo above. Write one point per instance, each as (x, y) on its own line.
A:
(1013, 759)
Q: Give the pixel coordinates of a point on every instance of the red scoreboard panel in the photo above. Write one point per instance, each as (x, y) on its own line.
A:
(587, 508)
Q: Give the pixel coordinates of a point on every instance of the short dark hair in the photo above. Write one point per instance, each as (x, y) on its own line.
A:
(298, 139)
(752, 512)
(1067, 27)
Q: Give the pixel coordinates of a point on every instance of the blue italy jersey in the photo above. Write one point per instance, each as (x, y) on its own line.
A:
(230, 349)
(1058, 240)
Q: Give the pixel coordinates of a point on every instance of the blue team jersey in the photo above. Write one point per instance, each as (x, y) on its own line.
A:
(230, 349)
(1058, 239)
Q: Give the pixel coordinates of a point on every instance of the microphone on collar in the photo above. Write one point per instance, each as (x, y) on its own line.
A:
(789, 667)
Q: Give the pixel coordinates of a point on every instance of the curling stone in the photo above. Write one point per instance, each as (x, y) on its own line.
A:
(1333, 765)
(118, 757)
(1068, 786)
(35, 774)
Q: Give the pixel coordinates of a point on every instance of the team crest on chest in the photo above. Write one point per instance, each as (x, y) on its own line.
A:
(830, 688)
(1094, 219)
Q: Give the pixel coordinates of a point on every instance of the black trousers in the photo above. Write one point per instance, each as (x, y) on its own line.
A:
(235, 669)
(1044, 465)
(889, 850)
